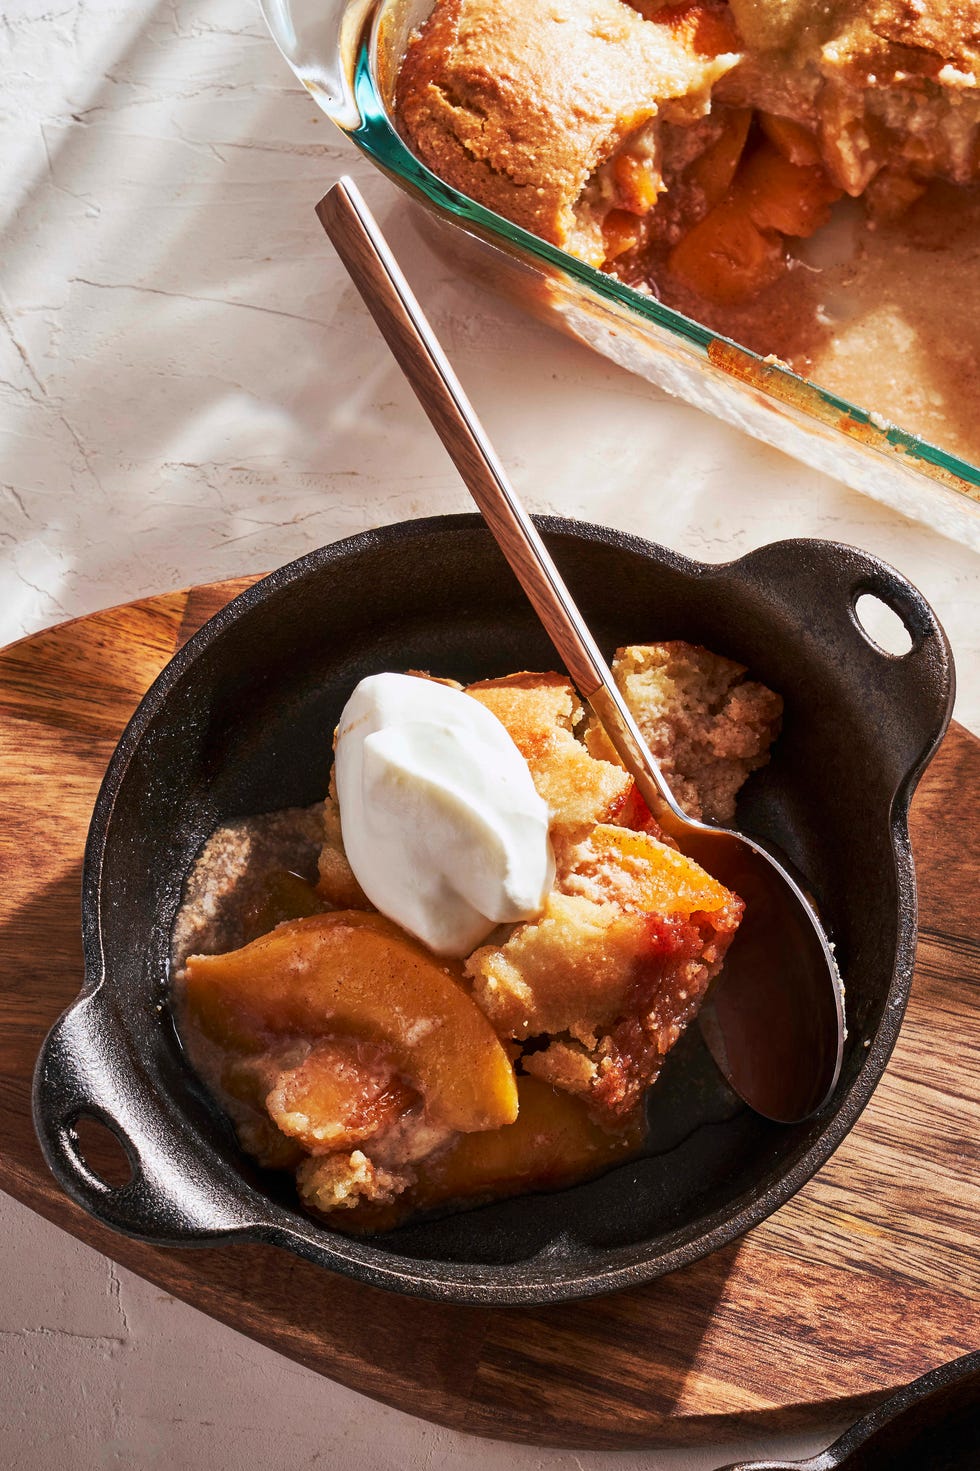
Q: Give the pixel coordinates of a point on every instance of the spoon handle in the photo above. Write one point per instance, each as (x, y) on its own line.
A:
(364, 251)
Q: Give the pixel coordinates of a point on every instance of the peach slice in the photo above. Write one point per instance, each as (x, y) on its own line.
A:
(705, 26)
(552, 1143)
(637, 183)
(794, 141)
(621, 232)
(713, 170)
(726, 257)
(660, 880)
(794, 199)
(359, 975)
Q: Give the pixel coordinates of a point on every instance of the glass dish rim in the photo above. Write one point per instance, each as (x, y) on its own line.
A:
(361, 112)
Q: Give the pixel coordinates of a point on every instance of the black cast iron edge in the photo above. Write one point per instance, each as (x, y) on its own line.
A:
(956, 1385)
(77, 1070)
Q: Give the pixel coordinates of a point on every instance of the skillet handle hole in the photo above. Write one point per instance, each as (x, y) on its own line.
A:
(102, 1151)
(882, 626)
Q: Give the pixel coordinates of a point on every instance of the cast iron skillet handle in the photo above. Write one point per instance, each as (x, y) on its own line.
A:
(923, 680)
(77, 1076)
(910, 696)
(932, 1422)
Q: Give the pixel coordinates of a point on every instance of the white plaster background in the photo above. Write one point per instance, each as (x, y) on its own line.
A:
(190, 390)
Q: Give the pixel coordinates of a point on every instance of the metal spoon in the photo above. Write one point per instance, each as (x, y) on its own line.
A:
(774, 1017)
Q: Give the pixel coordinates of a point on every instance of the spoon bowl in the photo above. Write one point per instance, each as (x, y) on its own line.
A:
(772, 1022)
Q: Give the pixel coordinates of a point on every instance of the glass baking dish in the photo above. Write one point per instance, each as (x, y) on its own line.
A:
(346, 53)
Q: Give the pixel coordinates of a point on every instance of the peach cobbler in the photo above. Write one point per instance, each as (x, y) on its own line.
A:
(692, 140)
(695, 150)
(395, 1074)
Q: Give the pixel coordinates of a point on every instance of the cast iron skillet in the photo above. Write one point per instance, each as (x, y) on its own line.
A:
(240, 722)
(932, 1424)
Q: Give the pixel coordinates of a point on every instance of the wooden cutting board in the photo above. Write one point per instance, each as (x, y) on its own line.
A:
(868, 1278)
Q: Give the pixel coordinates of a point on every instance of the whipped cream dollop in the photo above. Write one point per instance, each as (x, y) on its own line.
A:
(440, 819)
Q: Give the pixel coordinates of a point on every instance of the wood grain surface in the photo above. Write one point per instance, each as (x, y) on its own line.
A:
(866, 1279)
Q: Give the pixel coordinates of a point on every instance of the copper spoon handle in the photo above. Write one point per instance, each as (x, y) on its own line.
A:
(392, 303)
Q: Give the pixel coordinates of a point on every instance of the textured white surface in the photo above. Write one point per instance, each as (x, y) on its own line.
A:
(189, 390)
(94, 1359)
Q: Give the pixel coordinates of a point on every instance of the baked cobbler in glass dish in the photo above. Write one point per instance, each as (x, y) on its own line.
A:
(800, 177)
(543, 947)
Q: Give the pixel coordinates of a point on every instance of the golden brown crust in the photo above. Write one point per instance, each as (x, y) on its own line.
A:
(336, 883)
(893, 83)
(518, 102)
(540, 712)
(899, 40)
(707, 725)
(612, 1068)
(569, 969)
(609, 990)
